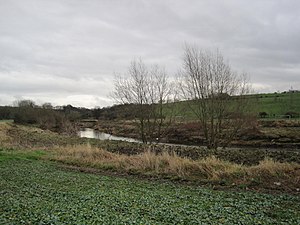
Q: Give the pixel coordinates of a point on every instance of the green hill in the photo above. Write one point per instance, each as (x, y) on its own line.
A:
(279, 104)
(275, 105)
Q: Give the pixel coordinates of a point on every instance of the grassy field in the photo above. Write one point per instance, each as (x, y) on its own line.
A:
(274, 104)
(35, 191)
(279, 104)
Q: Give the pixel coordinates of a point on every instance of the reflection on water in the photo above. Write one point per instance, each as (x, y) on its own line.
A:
(91, 133)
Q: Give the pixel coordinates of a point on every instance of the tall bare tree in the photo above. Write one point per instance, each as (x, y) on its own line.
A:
(148, 89)
(216, 94)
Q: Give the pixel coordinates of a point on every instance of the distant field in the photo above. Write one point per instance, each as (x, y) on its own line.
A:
(275, 105)
(278, 104)
(41, 192)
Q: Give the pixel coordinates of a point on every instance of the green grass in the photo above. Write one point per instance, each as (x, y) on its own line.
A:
(6, 121)
(279, 104)
(8, 154)
(40, 192)
(272, 104)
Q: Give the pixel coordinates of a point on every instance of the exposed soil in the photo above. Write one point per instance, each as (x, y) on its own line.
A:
(263, 134)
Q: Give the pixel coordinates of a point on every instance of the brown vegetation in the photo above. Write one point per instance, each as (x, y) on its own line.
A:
(31, 137)
(3, 132)
(268, 174)
(272, 134)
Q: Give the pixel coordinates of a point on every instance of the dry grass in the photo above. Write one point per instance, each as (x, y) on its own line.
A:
(149, 163)
(145, 162)
(4, 138)
(269, 167)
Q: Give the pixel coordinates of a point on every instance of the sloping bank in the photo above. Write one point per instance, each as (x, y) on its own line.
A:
(33, 137)
(163, 162)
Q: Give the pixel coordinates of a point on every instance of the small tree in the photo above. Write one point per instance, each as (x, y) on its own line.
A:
(147, 88)
(47, 105)
(25, 103)
(216, 94)
(25, 113)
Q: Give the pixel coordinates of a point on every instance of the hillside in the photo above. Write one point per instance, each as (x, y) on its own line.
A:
(270, 105)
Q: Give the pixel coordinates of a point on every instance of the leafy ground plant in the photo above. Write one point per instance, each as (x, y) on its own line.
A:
(40, 192)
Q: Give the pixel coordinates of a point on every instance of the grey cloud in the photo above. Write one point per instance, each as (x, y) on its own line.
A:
(73, 47)
(37, 83)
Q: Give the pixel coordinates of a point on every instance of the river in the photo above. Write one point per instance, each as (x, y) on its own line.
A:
(91, 133)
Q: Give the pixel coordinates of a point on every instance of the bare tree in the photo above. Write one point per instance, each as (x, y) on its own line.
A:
(216, 94)
(148, 89)
(25, 103)
(47, 105)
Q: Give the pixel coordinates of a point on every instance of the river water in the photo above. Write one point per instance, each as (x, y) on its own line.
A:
(91, 133)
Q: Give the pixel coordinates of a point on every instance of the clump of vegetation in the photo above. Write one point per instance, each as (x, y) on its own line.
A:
(166, 164)
(4, 127)
(26, 112)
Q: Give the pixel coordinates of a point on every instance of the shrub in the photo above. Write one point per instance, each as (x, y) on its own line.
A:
(292, 114)
(262, 114)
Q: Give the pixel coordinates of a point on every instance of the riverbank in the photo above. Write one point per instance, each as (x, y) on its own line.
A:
(224, 168)
(259, 134)
(31, 137)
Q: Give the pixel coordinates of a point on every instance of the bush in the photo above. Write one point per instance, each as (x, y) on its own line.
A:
(292, 114)
(263, 114)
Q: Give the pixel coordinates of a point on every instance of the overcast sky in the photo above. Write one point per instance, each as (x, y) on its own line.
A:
(67, 51)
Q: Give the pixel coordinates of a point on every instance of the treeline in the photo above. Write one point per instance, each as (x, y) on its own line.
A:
(124, 111)
(60, 118)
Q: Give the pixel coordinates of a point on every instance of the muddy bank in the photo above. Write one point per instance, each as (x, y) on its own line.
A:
(264, 134)
(28, 137)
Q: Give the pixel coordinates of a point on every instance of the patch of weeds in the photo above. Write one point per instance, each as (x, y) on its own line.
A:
(133, 171)
(255, 182)
(243, 186)
(107, 166)
(224, 182)
(237, 175)
(176, 178)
